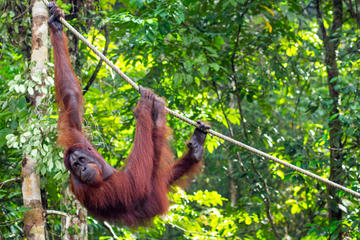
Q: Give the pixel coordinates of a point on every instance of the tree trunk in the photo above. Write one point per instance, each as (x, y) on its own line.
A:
(335, 125)
(331, 43)
(33, 218)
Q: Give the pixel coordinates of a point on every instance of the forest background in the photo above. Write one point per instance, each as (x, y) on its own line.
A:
(281, 76)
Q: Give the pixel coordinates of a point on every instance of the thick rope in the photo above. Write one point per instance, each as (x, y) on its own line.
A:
(212, 132)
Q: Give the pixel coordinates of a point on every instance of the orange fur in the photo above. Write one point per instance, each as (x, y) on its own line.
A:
(139, 192)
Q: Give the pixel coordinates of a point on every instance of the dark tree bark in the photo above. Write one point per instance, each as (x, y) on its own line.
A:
(331, 43)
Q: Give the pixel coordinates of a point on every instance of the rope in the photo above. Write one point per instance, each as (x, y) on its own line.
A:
(212, 132)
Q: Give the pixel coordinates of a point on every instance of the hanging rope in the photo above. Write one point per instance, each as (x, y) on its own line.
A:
(212, 132)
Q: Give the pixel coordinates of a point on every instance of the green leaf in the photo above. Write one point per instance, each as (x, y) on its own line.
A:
(177, 78)
(188, 79)
(214, 66)
(188, 66)
(334, 79)
(204, 69)
(333, 116)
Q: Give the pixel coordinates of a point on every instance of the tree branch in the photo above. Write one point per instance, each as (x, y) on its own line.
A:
(267, 201)
(233, 189)
(9, 180)
(11, 221)
(320, 20)
(64, 214)
(338, 18)
(238, 36)
(233, 55)
(93, 76)
(198, 233)
(55, 212)
(108, 226)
